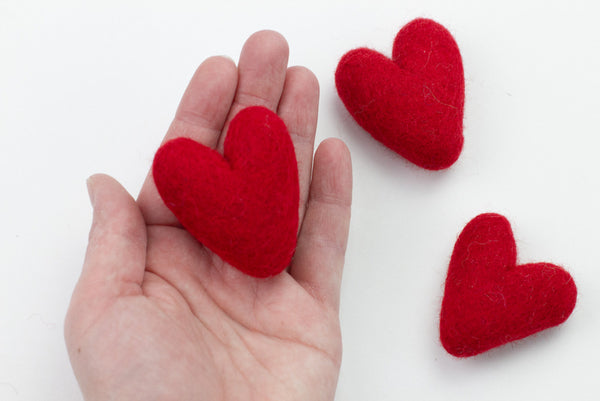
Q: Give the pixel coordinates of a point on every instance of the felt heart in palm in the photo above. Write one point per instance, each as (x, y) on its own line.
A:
(414, 102)
(243, 205)
(489, 300)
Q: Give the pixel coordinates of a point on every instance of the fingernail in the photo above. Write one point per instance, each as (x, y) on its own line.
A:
(90, 187)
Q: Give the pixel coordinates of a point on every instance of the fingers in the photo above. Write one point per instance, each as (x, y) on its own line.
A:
(298, 108)
(201, 115)
(261, 74)
(319, 257)
(116, 254)
(262, 78)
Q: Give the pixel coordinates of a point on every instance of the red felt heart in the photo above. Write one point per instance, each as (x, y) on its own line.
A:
(489, 300)
(242, 205)
(414, 102)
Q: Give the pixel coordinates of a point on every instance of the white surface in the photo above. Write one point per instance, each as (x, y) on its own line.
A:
(92, 88)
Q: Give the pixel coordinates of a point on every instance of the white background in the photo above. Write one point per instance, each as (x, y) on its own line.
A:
(92, 88)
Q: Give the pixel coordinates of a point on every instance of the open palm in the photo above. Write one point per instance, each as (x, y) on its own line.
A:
(156, 316)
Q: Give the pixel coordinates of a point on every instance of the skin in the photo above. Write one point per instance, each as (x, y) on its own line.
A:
(156, 316)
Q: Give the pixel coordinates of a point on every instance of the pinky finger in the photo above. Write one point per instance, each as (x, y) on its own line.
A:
(319, 258)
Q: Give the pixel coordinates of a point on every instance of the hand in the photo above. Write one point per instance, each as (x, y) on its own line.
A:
(156, 316)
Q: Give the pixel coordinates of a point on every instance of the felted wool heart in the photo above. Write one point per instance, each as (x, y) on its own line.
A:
(489, 300)
(242, 205)
(413, 103)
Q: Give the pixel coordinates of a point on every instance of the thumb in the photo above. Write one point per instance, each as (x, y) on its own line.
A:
(116, 255)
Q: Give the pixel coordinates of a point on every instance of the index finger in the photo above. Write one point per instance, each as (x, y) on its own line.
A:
(200, 116)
